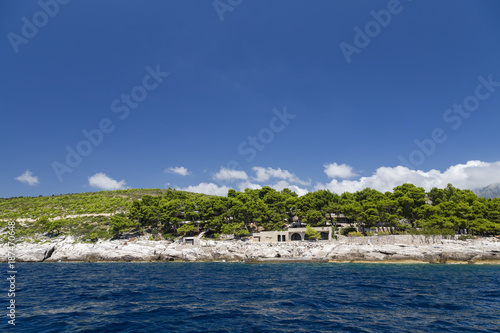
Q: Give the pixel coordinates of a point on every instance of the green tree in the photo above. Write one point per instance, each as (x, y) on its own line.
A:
(315, 218)
(370, 215)
(409, 198)
(53, 227)
(120, 223)
(186, 229)
(241, 232)
(312, 233)
(233, 228)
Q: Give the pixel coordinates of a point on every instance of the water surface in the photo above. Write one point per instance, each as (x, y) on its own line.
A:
(237, 297)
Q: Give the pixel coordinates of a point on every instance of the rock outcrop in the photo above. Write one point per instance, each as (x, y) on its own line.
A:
(402, 248)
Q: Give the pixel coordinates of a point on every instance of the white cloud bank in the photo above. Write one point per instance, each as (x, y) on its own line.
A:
(207, 188)
(178, 170)
(342, 171)
(472, 175)
(284, 184)
(28, 178)
(214, 189)
(247, 184)
(264, 174)
(102, 181)
(230, 175)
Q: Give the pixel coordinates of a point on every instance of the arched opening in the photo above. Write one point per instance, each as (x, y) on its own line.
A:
(296, 237)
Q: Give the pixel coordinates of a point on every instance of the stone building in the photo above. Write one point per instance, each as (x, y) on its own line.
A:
(290, 235)
(191, 241)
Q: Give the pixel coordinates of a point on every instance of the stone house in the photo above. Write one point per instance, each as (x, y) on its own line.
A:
(290, 235)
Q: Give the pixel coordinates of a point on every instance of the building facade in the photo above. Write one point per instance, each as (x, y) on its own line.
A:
(290, 235)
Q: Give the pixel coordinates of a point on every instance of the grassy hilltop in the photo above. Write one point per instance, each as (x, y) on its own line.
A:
(167, 213)
(71, 204)
(83, 215)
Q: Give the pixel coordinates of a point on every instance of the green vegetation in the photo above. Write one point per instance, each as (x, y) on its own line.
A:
(465, 237)
(312, 234)
(187, 229)
(120, 223)
(167, 214)
(71, 204)
(234, 229)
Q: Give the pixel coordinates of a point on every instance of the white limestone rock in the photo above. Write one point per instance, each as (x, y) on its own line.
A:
(373, 249)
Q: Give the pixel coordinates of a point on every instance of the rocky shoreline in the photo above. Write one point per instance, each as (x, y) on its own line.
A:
(376, 249)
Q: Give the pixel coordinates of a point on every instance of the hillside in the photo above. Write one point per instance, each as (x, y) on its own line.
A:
(72, 204)
(490, 191)
(83, 215)
(167, 214)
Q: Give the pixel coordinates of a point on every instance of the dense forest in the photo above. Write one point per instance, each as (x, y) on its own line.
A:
(407, 209)
(170, 213)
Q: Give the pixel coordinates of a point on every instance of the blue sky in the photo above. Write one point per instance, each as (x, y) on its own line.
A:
(280, 93)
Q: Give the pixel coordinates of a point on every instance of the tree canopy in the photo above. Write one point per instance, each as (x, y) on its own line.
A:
(407, 207)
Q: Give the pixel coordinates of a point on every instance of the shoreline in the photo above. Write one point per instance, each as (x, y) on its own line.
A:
(274, 261)
(397, 249)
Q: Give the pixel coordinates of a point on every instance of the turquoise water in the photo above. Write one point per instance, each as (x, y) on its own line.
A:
(238, 297)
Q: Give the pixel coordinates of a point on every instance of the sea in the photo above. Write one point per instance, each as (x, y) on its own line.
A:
(250, 297)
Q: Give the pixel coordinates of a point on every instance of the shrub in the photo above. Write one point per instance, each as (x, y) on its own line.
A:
(228, 229)
(187, 228)
(103, 234)
(346, 231)
(429, 231)
(465, 237)
(355, 234)
(120, 223)
(92, 238)
(312, 233)
(241, 232)
(237, 229)
(169, 236)
(52, 227)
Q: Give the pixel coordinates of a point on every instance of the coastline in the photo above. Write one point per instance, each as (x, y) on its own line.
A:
(400, 249)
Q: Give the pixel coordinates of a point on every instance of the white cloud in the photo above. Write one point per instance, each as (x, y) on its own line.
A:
(472, 175)
(342, 171)
(207, 188)
(230, 175)
(28, 178)
(264, 174)
(284, 184)
(246, 184)
(214, 189)
(102, 181)
(178, 170)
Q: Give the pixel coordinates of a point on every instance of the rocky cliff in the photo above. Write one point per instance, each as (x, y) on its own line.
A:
(402, 248)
